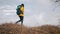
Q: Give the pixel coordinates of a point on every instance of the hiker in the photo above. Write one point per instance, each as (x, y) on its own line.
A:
(20, 13)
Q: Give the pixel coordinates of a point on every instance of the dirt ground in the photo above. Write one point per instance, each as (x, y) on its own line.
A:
(17, 29)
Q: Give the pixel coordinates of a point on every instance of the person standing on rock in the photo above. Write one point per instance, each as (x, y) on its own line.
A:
(20, 13)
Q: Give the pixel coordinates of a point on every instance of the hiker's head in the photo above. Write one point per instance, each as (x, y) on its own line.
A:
(22, 4)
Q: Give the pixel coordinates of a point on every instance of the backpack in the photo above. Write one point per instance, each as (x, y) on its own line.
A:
(18, 10)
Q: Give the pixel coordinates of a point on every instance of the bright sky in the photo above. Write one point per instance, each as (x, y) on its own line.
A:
(37, 12)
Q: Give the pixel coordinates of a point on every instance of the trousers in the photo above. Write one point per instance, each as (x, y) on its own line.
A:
(21, 19)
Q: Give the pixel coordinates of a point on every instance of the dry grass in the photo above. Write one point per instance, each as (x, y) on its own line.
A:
(16, 29)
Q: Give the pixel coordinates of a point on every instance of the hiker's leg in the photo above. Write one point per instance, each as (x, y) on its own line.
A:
(21, 19)
(18, 20)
